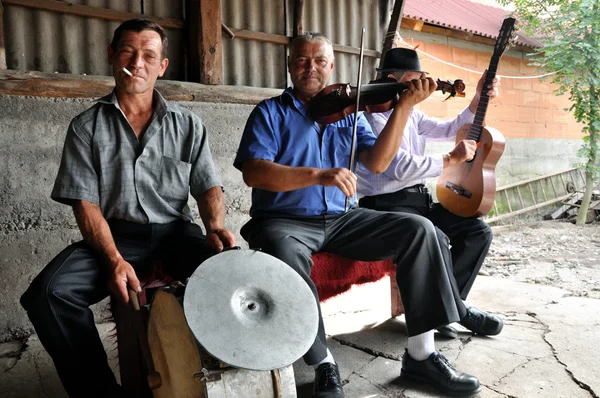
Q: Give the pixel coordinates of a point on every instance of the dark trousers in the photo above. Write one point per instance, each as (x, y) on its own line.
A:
(57, 301)
(470, 238)
(429, 293)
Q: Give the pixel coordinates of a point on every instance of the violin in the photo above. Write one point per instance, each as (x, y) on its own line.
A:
(337, 101)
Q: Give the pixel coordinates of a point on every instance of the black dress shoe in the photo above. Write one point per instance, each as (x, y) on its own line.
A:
(447, 331)
(437, 372)
(482, 323)
(327, 381)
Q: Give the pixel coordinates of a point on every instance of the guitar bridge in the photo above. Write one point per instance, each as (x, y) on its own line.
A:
(459, 190)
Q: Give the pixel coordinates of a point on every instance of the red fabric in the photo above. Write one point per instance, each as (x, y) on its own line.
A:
(333, 274)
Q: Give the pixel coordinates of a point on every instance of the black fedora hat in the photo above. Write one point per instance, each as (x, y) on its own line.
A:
(401, 59)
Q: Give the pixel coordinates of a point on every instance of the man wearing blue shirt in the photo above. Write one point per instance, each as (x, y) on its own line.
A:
(298, 170)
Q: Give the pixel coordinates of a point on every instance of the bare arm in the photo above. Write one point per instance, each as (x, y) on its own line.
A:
(211, 206)
(96, 233)
(378, 157)
(270, 176)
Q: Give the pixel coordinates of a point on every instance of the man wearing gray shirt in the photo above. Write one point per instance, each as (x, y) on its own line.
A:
(128, 166)
(402, 186)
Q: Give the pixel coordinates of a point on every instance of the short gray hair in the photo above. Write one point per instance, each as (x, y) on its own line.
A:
(308, 37)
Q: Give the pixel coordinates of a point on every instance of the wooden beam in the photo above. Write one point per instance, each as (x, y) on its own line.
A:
(209, 43)
(2, 48)
(412, 24)
(204, 34)
(62, 7)
(281, 39)
(40, 84)
(298, 17)
(393, 28)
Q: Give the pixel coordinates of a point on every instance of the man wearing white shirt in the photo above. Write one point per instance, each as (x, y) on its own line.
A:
(402, 186)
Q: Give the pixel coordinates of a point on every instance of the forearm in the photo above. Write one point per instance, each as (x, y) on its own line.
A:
(274, 177)
(95, 231)
(378, 157)
(211, 206)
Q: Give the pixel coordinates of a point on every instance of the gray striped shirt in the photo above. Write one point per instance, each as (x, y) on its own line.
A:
(145, 181)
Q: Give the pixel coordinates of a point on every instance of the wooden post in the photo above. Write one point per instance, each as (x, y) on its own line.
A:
(395, 22)
(298, 17)
(2, 49)
(205, 51)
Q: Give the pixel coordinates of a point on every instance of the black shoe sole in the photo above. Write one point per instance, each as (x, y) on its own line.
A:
(439, 387)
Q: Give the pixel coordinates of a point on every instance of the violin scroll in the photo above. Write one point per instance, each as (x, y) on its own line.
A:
(337, 101)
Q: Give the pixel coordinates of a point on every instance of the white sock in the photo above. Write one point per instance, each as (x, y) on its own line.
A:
(421, 346)
(328, 358)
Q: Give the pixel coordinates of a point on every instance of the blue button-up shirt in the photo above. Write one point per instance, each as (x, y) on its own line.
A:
(280, 130)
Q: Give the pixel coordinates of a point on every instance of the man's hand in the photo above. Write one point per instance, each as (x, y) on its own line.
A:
(462, 152)
(416, 91)
(120, 278)
(492, 91)
(220, 238)
(493, 88)
(341, 177)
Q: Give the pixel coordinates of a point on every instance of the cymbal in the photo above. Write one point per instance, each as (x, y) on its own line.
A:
(251, 310)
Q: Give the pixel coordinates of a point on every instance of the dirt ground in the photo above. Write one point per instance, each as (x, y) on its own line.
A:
(555, 253)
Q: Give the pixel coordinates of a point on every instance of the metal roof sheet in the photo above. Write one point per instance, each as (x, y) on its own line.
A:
(464, 15)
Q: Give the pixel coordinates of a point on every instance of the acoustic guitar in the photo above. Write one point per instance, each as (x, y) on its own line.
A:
(468, 189)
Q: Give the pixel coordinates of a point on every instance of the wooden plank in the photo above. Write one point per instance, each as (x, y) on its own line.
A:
(520, 198)
(62, 7)
(204, 35)
(521, 211)
(281, 39)
(298, 17)
(393, 28)
(209, 43)
(40, 84)
(2, 48)
(412, 24)
(535, 179)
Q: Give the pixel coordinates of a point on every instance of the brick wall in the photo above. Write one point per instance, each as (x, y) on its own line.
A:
(526, 108)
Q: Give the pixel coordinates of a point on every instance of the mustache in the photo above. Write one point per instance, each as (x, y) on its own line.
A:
(314, 75)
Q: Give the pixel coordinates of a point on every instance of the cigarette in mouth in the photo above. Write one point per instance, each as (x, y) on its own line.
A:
(127, 71)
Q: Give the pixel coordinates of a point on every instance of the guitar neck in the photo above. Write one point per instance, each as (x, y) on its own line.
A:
(475, 130)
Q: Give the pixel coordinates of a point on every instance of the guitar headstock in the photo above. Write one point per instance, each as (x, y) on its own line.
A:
(506, 36)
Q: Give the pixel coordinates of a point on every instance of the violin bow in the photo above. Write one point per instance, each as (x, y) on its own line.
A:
(358, 84)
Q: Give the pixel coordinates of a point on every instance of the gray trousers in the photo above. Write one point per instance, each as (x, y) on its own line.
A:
(58, 299)
(428, 290)
(470, 238)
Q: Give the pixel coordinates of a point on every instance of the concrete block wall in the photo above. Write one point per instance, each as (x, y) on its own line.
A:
(33, 228)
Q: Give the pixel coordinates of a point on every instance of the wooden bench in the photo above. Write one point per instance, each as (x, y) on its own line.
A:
(331, 273)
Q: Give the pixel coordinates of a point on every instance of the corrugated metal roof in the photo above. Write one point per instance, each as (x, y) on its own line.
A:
(464, 15)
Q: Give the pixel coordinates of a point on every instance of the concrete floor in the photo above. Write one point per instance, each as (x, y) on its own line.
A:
(545, 350)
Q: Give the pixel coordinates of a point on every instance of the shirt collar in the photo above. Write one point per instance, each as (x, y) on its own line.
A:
(162, 106)
(288, 96)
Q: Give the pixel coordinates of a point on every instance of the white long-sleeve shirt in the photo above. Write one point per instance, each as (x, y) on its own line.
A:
(410, 166)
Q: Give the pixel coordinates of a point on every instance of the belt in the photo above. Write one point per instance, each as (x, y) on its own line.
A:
(403, 197)
(416, 188)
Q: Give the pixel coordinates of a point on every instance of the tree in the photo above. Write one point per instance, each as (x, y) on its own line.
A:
(569, 31)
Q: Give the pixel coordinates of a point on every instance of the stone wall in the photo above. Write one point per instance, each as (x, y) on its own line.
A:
(33, 228)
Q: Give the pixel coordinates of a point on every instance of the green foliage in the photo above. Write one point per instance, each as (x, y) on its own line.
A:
(569, 31)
